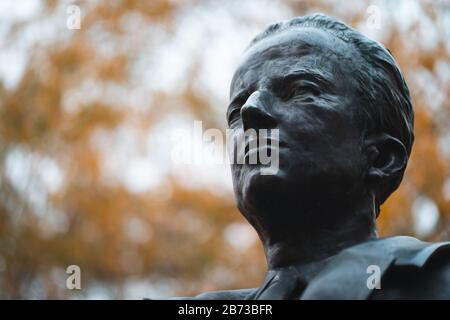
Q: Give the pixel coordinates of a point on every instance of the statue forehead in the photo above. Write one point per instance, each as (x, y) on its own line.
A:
(291, 49)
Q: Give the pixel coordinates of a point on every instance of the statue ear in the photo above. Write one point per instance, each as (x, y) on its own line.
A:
(387, 157)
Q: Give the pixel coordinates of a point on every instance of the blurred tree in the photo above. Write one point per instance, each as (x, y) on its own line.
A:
(73, 103)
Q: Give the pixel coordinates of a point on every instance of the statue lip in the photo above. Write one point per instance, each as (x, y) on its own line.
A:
(268, 145)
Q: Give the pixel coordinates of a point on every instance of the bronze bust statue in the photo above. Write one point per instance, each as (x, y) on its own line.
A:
(345, 132)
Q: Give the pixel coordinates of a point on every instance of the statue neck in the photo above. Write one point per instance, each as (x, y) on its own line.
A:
(316, 236)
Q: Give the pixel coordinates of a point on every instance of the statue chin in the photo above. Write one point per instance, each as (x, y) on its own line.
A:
(256, 191)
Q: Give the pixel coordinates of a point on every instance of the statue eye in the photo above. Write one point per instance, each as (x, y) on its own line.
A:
(234, 115)
(300, 90)
(305, 89)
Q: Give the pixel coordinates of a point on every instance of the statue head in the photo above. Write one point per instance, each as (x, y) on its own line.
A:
(344, 119)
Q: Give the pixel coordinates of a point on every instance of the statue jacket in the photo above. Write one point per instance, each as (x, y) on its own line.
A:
(397, 267)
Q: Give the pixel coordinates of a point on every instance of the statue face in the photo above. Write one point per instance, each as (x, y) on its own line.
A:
(300, 82)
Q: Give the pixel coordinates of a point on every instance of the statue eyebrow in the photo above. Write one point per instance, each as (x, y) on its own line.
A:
(309, 75)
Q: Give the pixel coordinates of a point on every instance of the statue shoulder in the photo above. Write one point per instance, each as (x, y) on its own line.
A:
(421, 271)
(409, 251)
(403, 263)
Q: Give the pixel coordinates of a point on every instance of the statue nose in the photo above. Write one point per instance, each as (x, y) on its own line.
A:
(255, 114)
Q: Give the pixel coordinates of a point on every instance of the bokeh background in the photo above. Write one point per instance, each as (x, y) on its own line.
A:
(86, 131)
